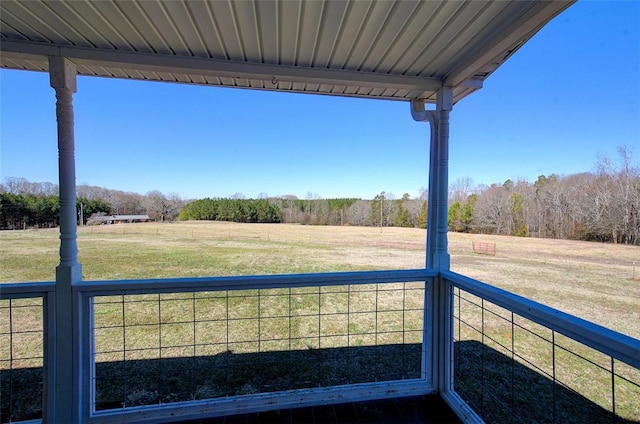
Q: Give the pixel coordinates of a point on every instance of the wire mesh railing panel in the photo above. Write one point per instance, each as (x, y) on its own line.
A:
(158, 348)
(21, 359)
(627, 390)
(511, 369)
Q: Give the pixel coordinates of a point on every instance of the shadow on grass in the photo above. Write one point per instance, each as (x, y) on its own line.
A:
(144, 382)
(497, 388)
(501, 390)
(20, 394)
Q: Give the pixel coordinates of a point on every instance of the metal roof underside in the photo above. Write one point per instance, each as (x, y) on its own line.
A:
(389, 49)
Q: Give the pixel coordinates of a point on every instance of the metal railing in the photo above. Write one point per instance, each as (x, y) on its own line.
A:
(24, 313)
(519, 361)
(186, 348)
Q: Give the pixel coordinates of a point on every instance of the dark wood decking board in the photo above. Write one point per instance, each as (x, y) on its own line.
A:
(412, 410)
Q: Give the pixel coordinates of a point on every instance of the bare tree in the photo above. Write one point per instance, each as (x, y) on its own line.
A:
(423, 194)
(358, 213)
(580, 193)
(289, 209)
(15, 185)
(89, 192)
(460, 190)
(492, 210)
(552, 206)
(614, 212)
(414, 207)
(163, 208)
(18, 185)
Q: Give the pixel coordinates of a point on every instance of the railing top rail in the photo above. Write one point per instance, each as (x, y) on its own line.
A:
(615, 344)
(22, 290)
(176, 285)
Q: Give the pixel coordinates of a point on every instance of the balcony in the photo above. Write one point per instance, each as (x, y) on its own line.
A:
(187, 349)
(199, 349)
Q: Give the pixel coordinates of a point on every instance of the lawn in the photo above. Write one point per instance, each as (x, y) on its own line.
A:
(146, 344)
(595, 281)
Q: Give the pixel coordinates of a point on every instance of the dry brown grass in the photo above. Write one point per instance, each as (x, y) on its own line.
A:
(594, 281)
(591, 280)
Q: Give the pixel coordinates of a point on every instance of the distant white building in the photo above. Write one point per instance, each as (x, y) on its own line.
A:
(117, 219)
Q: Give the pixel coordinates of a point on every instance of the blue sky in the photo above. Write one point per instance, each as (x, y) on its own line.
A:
(570, 95)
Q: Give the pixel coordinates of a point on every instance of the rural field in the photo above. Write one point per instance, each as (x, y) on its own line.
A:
(595, 281)
(373, 332)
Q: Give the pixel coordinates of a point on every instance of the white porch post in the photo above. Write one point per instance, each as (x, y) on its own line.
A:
(437, 219)
(62, 404)
(442, 294)
(438, 323)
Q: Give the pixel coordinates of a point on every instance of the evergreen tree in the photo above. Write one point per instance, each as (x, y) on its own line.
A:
(403, 217)
(377, 215)
(422, 219)
(455, 217)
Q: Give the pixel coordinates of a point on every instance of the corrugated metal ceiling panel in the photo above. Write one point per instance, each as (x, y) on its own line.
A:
(386, 49)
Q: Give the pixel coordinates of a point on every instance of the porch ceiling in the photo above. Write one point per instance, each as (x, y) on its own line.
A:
(375, 49)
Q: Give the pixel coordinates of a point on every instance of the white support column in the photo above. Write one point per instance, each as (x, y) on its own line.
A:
(443, 294)
(438, 324)
(437, 219)
(63, 80)
(62, 404)
(444, 104)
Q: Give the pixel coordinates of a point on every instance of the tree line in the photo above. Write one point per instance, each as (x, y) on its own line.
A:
(21, 211)
(233, 210)
(26, 204)
(603, 205)
(383, 210)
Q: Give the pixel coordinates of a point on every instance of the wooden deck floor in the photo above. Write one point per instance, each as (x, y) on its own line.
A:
(413, 410)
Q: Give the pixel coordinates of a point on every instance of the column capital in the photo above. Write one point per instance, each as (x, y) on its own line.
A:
(444, 99)
(62, 73)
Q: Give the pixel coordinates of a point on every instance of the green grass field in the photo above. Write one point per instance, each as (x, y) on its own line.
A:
(597, 282)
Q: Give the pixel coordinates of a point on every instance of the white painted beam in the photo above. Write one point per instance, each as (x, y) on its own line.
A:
(220, 68)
